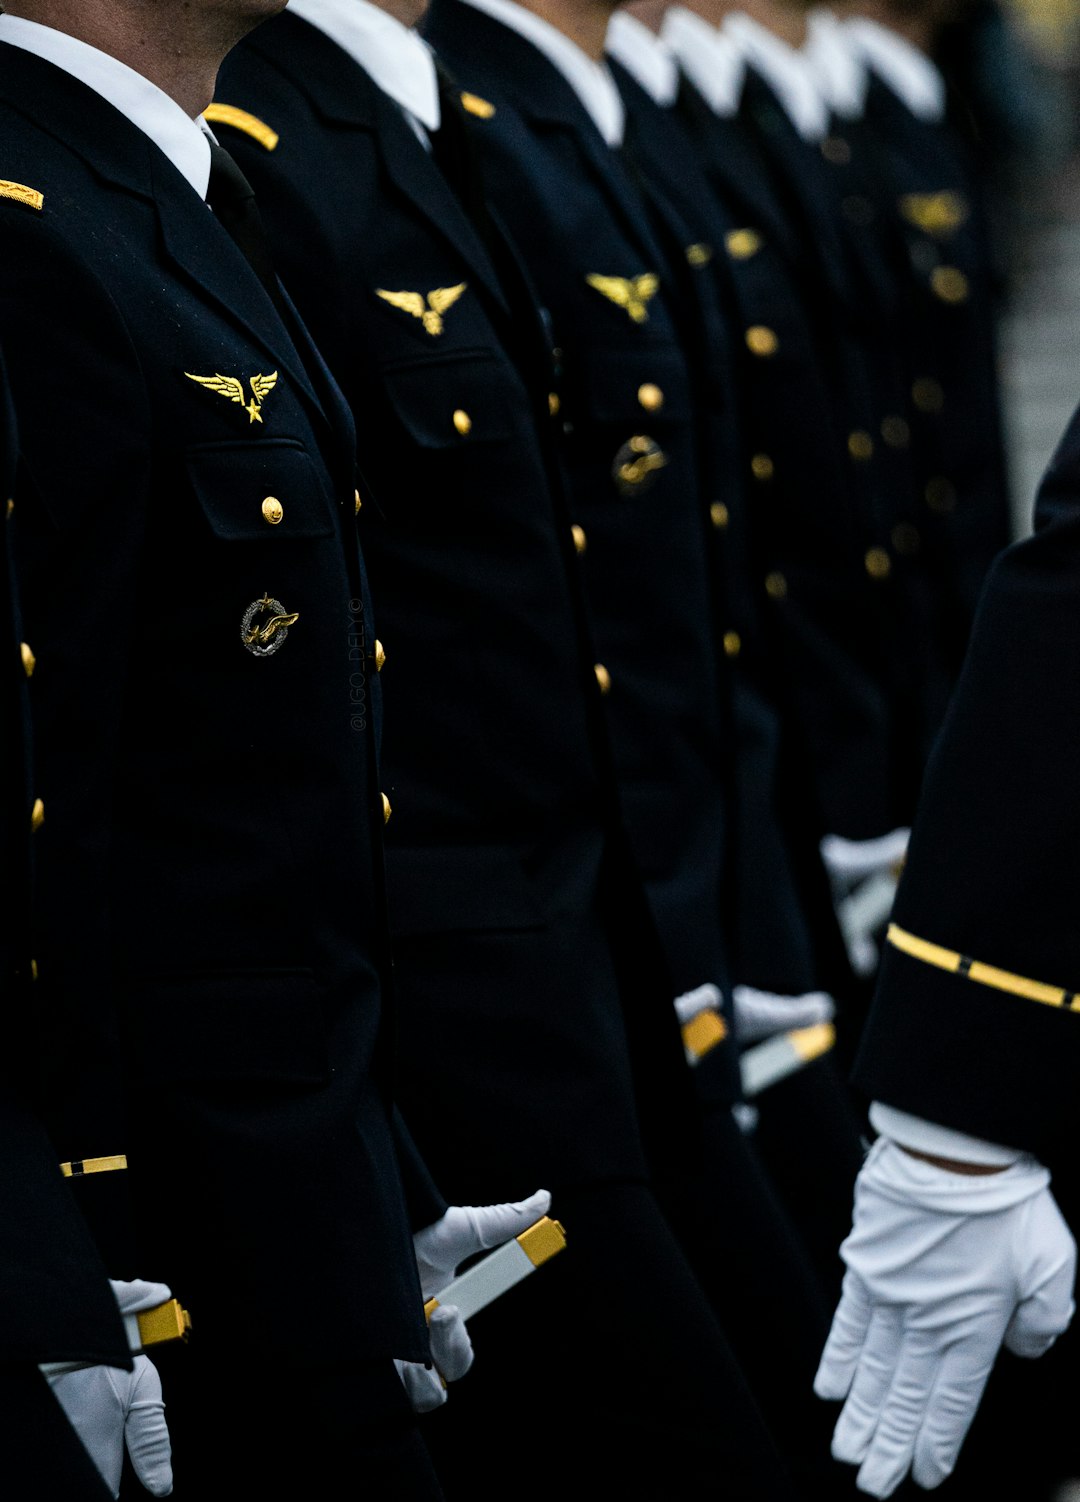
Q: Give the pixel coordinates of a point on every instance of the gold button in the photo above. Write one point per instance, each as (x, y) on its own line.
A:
(386, 809)
(581, 542)
(719, 515)
(380, 656)
(37, 815)
(29, 661)
(742, 244)
(554, 404)
(272, 510)
(603, 677)
(775, 586)
(941, 495)
(732, 644)
(357, 502)
(860, 445)
(949, 284)
(462, 422)
(877, 563)
(896, 432)
(906, 539)
(836, 150)
(699, 254)
(928, 395)
(762, 467)
(761, 341)
(650, 397)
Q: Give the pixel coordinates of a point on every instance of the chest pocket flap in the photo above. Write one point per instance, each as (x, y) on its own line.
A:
(456, 402)
(633, 386)
(261, 492)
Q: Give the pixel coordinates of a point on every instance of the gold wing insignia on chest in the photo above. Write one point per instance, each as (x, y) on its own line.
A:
(632, 293)
(232, 388)
(430, 310)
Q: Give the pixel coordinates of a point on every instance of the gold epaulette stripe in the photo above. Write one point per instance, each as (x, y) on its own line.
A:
(250, 125)
(80, 1166)
(22, 194)
(474, 105)
(983, 975)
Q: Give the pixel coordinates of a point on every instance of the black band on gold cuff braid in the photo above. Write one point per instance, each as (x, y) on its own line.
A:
(982, 975)
(78, 1167)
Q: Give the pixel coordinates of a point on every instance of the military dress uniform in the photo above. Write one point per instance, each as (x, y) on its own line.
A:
(539, 1043)
(55, 1300)
(209, 934)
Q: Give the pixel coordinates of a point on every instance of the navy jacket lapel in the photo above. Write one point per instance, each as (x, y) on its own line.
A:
(122, 155)
(342, 92)
(520, 74)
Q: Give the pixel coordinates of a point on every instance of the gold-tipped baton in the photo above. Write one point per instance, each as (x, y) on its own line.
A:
(492, 1276)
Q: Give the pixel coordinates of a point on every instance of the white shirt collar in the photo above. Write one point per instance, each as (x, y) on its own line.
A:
(836, 63)
(909, 73)
(591, 81)
(397, 58)
(184, 141)
(710, 60)
(785, 70)
(642, 53)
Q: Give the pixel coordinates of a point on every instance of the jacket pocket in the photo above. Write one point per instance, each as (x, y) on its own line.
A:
(268, 491)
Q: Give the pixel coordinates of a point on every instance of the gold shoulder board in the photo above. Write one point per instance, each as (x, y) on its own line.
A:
(22, 194)
(474, 105)
(250, 125)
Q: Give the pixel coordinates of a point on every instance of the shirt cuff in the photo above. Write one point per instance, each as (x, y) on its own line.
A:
(938, 1141)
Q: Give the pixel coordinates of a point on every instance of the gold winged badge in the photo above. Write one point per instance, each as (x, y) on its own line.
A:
(634, 293)
(232, 387)
(430, 312)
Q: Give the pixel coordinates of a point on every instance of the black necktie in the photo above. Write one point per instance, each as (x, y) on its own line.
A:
(232, 199)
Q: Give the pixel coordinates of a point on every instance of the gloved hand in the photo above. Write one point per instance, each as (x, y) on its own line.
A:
(760, 1014)
(440, 1250)
(863, 875)
(942, 1269)
(109, 1408)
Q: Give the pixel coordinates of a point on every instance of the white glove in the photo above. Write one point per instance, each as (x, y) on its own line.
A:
(760, 1014)
(440, 1249)
(864, 875)
(942, 1269)
(109, 1408)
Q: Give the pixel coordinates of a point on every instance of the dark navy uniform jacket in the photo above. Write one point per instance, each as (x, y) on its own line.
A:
(535, 1010)
(860, 294)
(209, 932)
(936, 208)
(976, 1023)
(825, 583)
(777, 894)
(628, 446)
(55, 1301)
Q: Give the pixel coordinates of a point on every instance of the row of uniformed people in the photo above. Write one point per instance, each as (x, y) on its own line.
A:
(638, 391)
(608, 755)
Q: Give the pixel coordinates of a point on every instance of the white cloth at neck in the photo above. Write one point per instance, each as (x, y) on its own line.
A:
(786, 71)
(642, 53)
(837, 65)
(399, 60)
(910, 74)
(710, 60)
(591, 81)
(183, 140)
